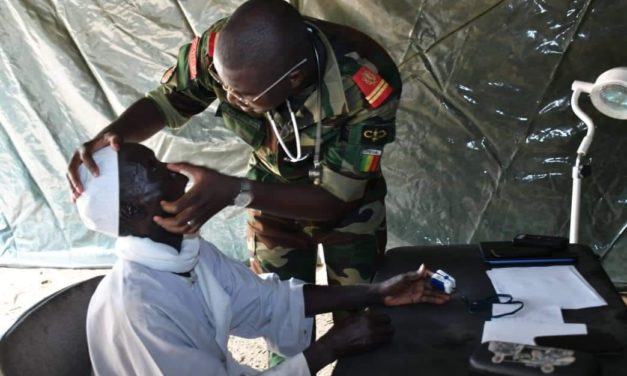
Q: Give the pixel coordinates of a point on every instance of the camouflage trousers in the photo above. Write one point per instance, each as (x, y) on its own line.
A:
(353, 249)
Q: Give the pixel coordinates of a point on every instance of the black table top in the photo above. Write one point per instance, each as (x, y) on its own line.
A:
(439, 339)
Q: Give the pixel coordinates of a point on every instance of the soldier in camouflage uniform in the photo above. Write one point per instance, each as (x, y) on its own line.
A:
(357, 121)
(359, 91)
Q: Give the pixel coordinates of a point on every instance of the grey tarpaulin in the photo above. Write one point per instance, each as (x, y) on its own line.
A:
(486, 137)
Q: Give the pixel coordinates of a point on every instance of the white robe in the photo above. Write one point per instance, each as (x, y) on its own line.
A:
(143, 321)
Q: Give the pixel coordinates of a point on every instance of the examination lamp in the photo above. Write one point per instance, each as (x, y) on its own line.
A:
(609, 95)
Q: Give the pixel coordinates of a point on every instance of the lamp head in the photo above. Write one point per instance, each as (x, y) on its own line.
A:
(608, 93)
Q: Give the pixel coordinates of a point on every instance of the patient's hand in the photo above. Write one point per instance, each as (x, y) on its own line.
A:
(358, 333)
(409, 288)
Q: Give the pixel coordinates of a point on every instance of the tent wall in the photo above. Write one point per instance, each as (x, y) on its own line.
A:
(486, 138)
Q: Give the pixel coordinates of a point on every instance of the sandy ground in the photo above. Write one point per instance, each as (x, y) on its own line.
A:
(253, 352)
(21, 288)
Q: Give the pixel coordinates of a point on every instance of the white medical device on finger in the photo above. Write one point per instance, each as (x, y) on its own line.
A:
(443, 281)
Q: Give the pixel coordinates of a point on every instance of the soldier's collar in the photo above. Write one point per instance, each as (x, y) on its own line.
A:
(333, 97)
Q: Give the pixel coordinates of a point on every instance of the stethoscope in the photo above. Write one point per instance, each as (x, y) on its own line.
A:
(315, 173)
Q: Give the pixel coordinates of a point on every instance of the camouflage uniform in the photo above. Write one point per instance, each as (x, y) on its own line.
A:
(359, 103)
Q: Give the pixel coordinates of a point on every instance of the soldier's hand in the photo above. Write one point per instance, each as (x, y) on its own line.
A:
(409, 288)
(84, 156)
(211, 192)
(358, 333)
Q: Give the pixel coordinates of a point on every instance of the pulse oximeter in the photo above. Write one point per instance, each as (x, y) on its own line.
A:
(443, 281)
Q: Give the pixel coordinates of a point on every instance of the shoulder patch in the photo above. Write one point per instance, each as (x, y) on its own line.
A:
(168, 74)
(211, 43)
(372, 86)
(192, 59)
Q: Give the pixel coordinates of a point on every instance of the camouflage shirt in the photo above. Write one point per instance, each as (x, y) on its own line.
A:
(360, 87)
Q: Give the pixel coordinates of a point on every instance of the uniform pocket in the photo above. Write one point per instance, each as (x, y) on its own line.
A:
(248, 128)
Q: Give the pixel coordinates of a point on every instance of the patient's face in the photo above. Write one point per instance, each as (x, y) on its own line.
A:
(145, 180)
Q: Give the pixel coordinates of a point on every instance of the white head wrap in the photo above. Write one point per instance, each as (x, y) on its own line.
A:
(99, 204)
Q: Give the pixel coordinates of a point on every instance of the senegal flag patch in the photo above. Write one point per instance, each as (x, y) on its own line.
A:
(372, 86)
(370, 159)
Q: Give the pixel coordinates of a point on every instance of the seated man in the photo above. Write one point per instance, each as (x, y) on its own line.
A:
(170, 303)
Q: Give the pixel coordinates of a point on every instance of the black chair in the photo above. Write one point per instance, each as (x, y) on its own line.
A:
(50, 338)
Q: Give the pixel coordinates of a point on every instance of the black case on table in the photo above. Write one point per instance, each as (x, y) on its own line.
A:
(507, 254)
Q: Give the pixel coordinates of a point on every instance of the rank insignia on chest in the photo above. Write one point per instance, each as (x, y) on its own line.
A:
(372, 86)
(370, 159)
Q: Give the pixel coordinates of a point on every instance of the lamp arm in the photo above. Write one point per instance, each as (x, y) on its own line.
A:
(579, 87)
(587, 140)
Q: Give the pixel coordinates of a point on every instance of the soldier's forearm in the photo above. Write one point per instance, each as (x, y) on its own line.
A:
(138, 123)
(304, 202)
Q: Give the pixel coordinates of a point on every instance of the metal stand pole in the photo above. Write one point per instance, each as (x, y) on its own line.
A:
(575, 206)
(575, 202)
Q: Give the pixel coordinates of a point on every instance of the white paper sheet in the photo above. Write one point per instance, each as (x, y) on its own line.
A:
(560, 285)
(530, 313)
(524, 332)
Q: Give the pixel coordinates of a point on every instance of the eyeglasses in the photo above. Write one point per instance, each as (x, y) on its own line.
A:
(214, 74)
